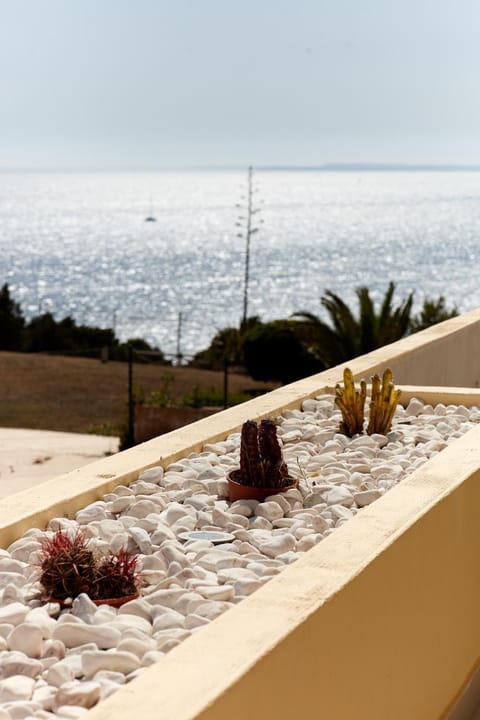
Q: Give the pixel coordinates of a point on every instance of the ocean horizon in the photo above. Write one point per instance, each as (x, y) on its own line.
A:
(322, 167)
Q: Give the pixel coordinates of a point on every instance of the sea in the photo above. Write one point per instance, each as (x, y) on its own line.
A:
(78, 244)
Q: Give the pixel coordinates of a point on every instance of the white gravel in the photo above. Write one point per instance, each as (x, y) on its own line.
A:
(57, 664)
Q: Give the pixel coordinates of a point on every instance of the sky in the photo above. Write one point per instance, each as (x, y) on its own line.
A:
(181, 83)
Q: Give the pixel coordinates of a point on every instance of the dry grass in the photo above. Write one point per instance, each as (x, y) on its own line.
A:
(82, 395)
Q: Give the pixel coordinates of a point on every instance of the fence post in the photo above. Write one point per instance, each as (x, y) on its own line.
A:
(131, 404)
(225, 382)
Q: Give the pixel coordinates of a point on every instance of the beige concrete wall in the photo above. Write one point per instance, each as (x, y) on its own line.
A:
(445, 354)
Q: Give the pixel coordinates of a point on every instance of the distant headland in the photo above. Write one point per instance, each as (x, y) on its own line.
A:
(373, 167)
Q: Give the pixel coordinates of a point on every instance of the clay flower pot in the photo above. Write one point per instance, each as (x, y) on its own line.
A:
(113, 602)
(118, 601)
(238, 491)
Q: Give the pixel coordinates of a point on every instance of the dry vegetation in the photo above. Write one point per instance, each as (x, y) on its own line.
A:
(50, 392)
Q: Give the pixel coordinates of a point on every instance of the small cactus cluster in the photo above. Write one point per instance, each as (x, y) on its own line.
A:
(383, 403)
(351, 403)
(261, 460)
(69, 567)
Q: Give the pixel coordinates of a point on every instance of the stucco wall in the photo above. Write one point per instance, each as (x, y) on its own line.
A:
(445, 354)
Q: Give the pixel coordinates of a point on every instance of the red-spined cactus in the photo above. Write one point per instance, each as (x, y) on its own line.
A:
(116, 575)
(68, 567)
(261, 461)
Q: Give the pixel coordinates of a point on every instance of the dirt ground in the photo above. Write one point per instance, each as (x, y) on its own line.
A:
(82, 395)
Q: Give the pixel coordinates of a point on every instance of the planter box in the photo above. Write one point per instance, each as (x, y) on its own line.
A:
(378, 620)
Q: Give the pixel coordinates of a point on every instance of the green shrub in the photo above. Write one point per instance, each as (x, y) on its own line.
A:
(209, 397)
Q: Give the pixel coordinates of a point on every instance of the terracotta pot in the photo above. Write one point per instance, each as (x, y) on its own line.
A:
(117, 602)
(113, 602)
(237, 491)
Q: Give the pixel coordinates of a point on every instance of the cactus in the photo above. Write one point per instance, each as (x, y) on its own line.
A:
(274, 468)
(261, 461)
(384, 401)
(251, 468)
(116, 575)
(69, 567)
(351, 403)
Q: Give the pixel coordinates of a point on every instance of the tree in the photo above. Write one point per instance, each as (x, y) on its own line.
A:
(142, 352)
(45, 334)
(432, 312)
(12, 322)
(274, 351)
(226, 346)
(348, 336)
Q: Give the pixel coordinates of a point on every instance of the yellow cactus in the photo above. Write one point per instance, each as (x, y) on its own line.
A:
(384, 401)
(351, 403)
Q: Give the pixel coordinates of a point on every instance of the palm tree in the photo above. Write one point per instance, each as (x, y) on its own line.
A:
(432, 312)
(348, 336)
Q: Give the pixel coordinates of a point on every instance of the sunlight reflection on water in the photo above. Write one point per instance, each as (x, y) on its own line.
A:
(77, 243)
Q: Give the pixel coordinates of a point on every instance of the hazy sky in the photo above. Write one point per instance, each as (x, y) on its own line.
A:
(151, 83)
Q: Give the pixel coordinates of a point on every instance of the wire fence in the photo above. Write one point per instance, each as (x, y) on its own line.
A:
(152, 356)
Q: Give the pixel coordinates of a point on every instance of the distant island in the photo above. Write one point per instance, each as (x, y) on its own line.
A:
(371, 167)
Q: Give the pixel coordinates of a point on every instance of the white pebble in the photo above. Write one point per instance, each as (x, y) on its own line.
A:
(81, 694)
(72, 634)
(278, 545)
(152, 475)
(17, 663)
(216, 592)
(339, 496)
(13, 613)
(269, 510)
(119, 661)
(366, 497)
(69, 712)
(16, 687)
(26, 638)
(141, 539)
(96, 511)
(167, 619)
(59, 674)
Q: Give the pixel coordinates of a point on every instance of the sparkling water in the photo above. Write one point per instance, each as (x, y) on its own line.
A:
(78, 244)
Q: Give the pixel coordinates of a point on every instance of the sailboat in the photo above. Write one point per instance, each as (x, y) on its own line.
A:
(151, 217)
